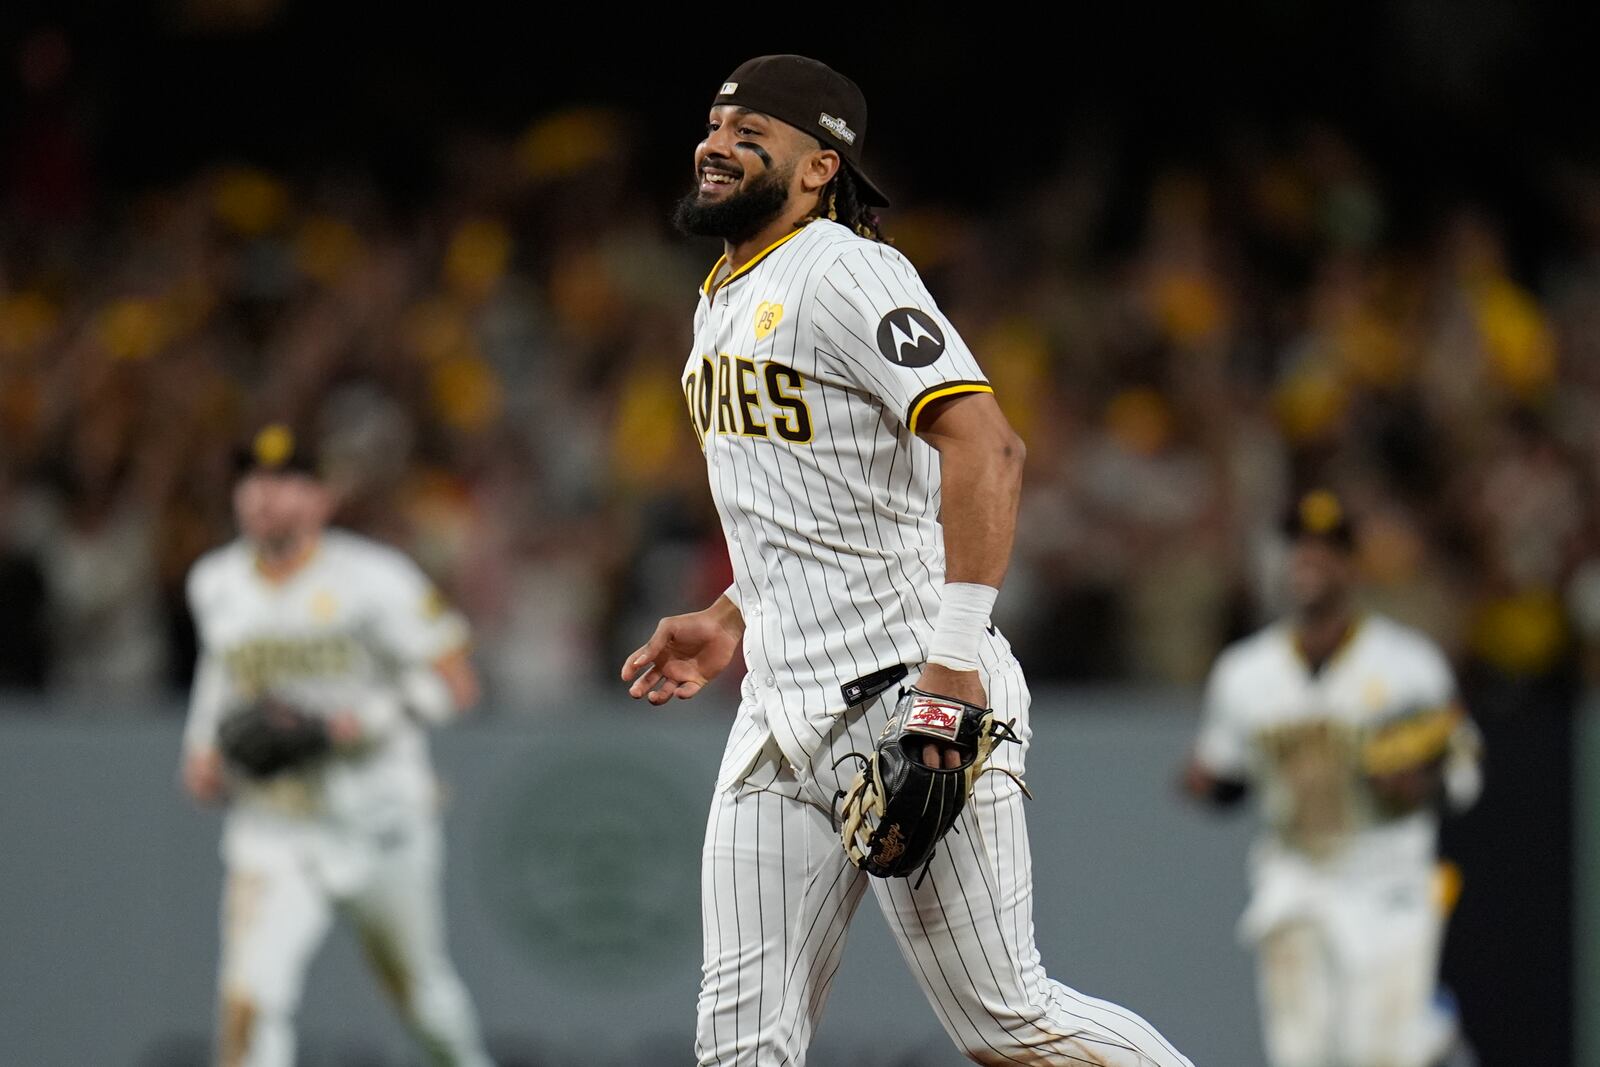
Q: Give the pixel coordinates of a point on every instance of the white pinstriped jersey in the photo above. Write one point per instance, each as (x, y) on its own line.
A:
(811, 367)
(334, 636)
(1297, 735)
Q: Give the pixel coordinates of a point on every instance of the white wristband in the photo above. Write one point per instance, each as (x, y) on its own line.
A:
(963, 615)
(379, 715)
(732, 593)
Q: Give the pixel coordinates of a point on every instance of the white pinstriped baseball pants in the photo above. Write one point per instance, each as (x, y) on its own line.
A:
(777, 895)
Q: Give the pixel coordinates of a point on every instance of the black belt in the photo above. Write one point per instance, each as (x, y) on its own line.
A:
(868, 686)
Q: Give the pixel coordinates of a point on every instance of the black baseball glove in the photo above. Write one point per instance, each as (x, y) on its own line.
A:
(892, 818)
(269, 737)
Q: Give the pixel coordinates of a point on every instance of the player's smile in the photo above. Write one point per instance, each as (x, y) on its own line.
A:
(718, 178)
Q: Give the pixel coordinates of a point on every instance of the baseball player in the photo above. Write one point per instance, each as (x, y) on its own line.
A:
(331, 798)
(1349, 728)
(867, 483)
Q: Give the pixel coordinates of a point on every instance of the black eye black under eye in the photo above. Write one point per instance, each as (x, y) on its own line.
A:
(760, 153)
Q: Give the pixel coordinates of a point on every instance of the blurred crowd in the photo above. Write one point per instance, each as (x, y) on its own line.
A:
(492, 369)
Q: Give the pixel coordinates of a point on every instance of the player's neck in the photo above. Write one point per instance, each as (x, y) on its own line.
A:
(735, 256)
(1320, 633)
(278, 563)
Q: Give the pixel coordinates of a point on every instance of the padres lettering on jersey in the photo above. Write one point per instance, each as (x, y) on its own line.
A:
(1315, 761)
(812, 365)
(734, 395)
(258, 665)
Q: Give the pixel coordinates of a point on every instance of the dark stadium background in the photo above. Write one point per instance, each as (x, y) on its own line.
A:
(1477, 105)
(1455, 100)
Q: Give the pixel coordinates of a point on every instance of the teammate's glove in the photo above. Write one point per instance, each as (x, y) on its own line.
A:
(1403, 757)
(1412, 740)
(894, 815)
(268, 738)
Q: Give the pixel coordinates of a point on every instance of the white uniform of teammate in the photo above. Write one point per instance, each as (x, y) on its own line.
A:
(347, 631)
(1348, 907)
(811, 367)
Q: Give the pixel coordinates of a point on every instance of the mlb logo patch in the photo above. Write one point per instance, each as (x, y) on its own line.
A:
(729, 88)
(932, 716)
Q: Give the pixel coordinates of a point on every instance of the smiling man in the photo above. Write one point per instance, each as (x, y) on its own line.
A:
(868, 484)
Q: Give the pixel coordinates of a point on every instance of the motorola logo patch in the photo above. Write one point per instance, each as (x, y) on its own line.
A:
(910, 338)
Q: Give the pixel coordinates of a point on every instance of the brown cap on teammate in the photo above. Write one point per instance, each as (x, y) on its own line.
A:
(809, 96)
(275, 450)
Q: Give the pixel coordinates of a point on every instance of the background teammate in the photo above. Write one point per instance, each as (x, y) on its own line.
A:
(868, 484)
(1348, 727)
(349, 631)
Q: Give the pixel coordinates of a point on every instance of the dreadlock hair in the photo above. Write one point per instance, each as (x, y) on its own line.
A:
(841, 202)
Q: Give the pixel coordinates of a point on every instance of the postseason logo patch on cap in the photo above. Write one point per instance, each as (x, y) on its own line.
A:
(837, 127)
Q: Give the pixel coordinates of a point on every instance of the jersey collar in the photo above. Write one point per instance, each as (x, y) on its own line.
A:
(278, 581)
(1352, 629)
(710, 289)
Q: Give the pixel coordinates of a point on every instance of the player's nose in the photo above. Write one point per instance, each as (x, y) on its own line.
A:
(718, 144)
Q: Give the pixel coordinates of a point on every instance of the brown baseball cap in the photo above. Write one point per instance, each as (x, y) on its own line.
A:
(276, 450)
(1320, 515)
(810, 96)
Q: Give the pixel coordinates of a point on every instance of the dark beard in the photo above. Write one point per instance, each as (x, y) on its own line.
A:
(741, 216)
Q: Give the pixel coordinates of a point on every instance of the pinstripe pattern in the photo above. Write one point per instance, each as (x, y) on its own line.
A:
(830, 505)
(835, 539)
(778, 895)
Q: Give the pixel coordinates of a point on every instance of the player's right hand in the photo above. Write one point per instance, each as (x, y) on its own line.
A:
(202, 775)
(684, 654)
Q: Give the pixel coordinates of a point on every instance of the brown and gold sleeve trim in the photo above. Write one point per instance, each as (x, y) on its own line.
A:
(939, 392)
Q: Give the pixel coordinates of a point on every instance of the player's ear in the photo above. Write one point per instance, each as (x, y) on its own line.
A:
(818, 170)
